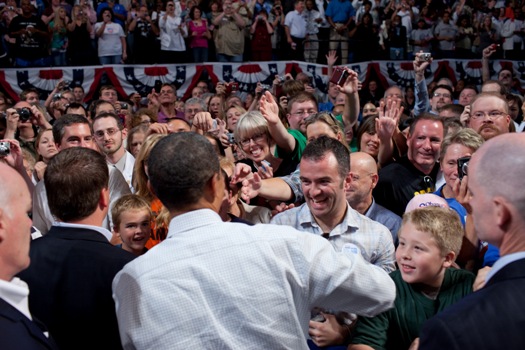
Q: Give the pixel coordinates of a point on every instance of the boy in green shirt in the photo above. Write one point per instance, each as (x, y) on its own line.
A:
(429, 240)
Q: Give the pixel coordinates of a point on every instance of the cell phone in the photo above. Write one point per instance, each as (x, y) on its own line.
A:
(123, 105)
(5, 148)
(234, 87)
(158, 86)
(426, 56)
(265, 165)
(231, 138)
(339, 76)
(463, 166)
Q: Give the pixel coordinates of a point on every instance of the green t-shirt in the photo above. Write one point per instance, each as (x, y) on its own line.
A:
(399, 326)
(300, 145)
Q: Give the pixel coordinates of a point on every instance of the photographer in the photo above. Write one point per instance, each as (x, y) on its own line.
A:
(22, 123)
(229, 40)
(144, 33)
(58, 100)
(80, 49)
(261, 31)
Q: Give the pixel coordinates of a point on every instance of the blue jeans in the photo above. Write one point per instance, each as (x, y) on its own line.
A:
(40, 62)
(226, 58)
(110, 59)
(59, 58)
(200, 54)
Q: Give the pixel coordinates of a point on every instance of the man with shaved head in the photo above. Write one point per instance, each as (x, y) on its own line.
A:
(493, 317)
(359, 194)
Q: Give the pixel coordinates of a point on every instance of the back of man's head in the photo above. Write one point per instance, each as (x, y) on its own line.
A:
(179, 166)
(67, 120)
(74, 179)
(324, 145)
(499, 164)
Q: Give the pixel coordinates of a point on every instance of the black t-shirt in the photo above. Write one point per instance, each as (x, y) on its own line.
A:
(399, 182)
(29, 46)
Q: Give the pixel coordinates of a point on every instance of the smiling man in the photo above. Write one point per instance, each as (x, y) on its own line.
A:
(416, 173)
(325, 178)
(110, 135)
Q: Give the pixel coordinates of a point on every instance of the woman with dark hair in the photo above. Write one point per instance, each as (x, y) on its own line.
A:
(367, 139)
(111, 39)
(261, 31)
(366, 39)
(216, 107)
(464, 38)
(199, 35)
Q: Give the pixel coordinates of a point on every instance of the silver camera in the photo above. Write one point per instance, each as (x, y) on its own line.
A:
(5, 148)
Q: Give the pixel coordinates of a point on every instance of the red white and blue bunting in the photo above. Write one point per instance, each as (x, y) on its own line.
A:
(128, 79)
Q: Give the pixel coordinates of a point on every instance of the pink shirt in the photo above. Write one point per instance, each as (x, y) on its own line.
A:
(199, 40)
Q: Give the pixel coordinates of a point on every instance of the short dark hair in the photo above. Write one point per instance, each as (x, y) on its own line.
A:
(368, 125)
(95, 104)
(110, 115)
(67, 120)
(425, 116)
(442, 86)
(454, 108)
(74, 179)
(321, 146)
(75, 105)
(179, 176)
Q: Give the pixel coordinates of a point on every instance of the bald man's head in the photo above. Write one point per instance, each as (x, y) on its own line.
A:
(496, 183)
(15, 224)
(364, 180)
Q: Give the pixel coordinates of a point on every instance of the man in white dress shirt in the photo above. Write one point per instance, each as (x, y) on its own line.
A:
(219, 285)
(110, 135)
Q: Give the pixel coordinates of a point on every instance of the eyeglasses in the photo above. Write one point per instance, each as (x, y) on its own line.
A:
(437, 94)
(301, 113)
(111, 131)
(491, 115)
(255, 138)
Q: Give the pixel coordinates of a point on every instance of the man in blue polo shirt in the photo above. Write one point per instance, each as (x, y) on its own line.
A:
(340, 15)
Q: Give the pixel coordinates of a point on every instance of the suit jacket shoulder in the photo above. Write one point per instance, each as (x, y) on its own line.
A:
(19, 332)
(491, 318)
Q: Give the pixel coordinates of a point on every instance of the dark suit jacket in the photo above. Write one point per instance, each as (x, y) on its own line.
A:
(491, 318)
(70, 280)
(19, 332)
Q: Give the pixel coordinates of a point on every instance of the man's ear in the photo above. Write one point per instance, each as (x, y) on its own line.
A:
(3, 225)
(502, 213)
(375, 179)
(124, 133)
(104, 198)
(347, 181)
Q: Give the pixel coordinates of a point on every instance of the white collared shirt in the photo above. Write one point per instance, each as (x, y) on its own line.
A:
(15, 293)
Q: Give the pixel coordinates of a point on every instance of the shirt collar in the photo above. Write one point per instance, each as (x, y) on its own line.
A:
(99, 229)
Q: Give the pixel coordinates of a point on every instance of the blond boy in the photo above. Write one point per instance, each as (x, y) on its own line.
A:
(131, 216)
(429, 240)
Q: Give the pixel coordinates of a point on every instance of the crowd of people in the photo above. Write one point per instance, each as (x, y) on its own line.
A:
(363, 217)
(82, 32)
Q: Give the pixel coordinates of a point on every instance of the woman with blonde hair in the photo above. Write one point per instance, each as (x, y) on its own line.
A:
(59, 40)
